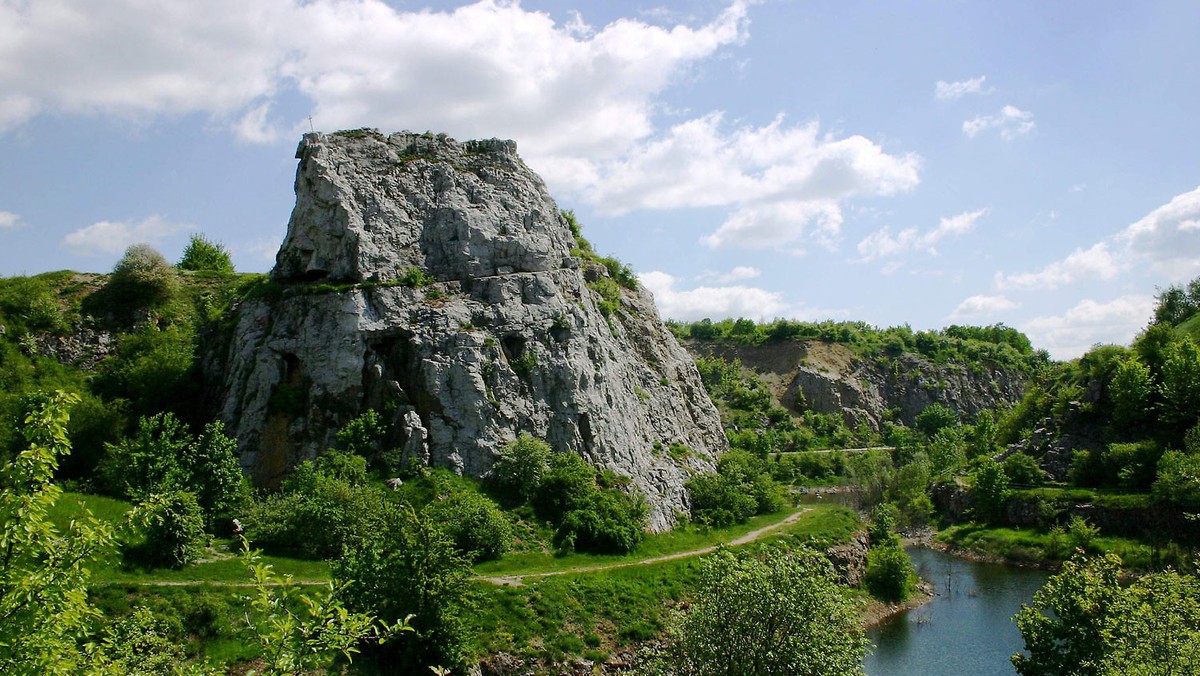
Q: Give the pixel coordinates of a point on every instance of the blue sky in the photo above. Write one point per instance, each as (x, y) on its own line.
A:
(927, 163)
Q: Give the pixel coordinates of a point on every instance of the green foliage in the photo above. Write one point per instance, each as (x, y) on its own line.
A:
(889, 575)
(1130, 393)
(44, 608)
(202, 255)
(947, 451)
(782, 614)
(934, 418)
(1178, 480)
(363, 435)
(741, 487)
(519, 468)
(141, 281)
(1129, 465)
(416, 278)
(152, 369)
(409, 568)
(989, 490)
(142, 644)
(1177, 303)
(1180, 387)
(884, 518)
(322, 506)
(172, 526)
(163, 457)
(566, 486)
(1084, 621)
(609, 522)
(478, 527)
(1023, 469)
(299, 632)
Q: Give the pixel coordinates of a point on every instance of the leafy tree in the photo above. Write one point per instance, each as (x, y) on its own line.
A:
(609, 522)
(884, 518)
(1177, 303)
(300, 632)
(1178, 481)
(202, 255)
(872, 474)
(889, 573)
(173, 527)
(1066, 630)
(44, 608)
(1023, 469)
(946, 450)
(1130, 390)
(983, 435)
(210, 469)
(989, 490)
(363, 435)
(1083, 621)
(521, 466)
(568, 483)
(141, 280)
(477, 526)
(410, 569)
(741, 488)
(141, 644)
(1180, 387)
(935, 418)
(781, 614)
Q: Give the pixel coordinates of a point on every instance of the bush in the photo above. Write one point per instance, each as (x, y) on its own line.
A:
(141, 280)
(477, 526)
(935, 418)
(568, 483)
(610, 522)
(1178, 481)
(889, 575)
(741, 488)
(173, 527)
(1023, 469)
(201, 255)
(520, 467)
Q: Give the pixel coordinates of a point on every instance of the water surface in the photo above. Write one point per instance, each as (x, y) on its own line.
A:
(967, 629)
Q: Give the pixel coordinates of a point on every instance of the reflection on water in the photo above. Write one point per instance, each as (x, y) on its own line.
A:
(966, 629)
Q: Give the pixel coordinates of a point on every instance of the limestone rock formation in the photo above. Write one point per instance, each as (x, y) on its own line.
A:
(830, 378)
(438, 281)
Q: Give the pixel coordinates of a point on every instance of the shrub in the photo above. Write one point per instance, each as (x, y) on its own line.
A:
(935, 418)
(889, 575)
(520, 467)
(202, 255)
(568, 483)
(741, 488)
(141, 280)
(173, 528)
(610, 522)
(1024, 469)
(477, 526)
(363, 435)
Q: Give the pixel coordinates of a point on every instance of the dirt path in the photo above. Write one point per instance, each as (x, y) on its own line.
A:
(519, 580)
(508, 580)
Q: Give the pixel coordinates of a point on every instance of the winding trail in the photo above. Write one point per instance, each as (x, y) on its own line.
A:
(516, 580)
(519, 580)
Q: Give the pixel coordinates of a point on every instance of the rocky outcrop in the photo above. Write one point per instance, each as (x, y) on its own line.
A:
(437, 281)
(830, 378)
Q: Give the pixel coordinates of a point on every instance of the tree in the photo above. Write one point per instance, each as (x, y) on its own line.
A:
(173, 526)
(44, 608)
(1130, 390)
(477, 526)
(1180, 387)
(935, 418)
(300, 632)
(142, 279)
(520, 466)
(889, 574)
(989, 490)
(409, 569)
(779, 614)
(1083, 621)
(202, 255)
(1067, 629)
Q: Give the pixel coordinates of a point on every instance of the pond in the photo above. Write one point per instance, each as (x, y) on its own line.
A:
(966, 629)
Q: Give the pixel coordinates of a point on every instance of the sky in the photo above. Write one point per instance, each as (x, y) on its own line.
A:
(925, 163)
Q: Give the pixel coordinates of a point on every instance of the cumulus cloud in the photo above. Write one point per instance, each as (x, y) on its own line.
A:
(1168, 238)
(1072, 333)
(1097, 262)
(737, 274)
(783, 181)
(9, 220)
(1011, 122)
(882, 243)
(948, 91)
(487, 68)
(109, 237)
(982, 306)
(716, 302)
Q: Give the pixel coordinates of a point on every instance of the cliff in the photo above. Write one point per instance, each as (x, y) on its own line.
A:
(830, 378)
(438, 281)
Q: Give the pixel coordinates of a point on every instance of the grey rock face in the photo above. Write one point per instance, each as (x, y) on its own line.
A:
(829, 378)
(509, 339)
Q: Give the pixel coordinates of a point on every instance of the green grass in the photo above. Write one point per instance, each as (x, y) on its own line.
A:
(1030, 545)
(1110, 498)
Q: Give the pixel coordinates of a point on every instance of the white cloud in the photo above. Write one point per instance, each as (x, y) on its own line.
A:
(9, 220)
(108, 237)
(882, 243)
(1071, 334)
(483, 69)
(784, 181)
(739, 273)
(1010, 121)
(1168, 237)
(1097, 262)
(982, 306)
(948, 91)
(716, 302)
